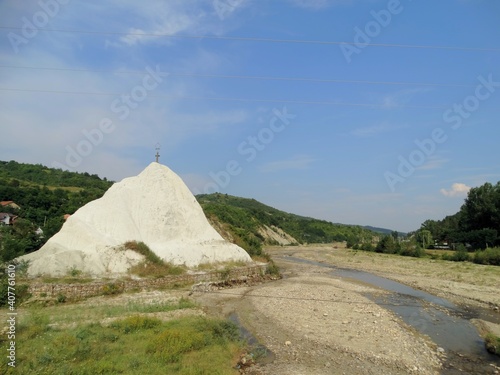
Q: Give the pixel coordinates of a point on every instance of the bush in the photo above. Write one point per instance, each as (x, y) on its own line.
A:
(367, 247)
(273, 269)
(412, 251)
(489, 256)
(460, 256)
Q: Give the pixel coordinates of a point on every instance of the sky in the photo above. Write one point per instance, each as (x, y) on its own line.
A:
(381, 113)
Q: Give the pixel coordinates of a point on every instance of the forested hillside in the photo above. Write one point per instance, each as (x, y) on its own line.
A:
(243, 218)
(44, 196)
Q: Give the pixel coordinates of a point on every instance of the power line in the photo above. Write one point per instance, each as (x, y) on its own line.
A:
(256, 39)
(264, 78)
(229, 99)
(307, 299)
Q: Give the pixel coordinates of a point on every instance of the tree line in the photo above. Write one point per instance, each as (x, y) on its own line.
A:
(476, 225)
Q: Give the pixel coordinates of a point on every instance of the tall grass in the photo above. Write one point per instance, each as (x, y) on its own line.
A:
(134, 345)
(152, 266)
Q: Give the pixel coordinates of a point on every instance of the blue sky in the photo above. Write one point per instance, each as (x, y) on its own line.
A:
(373, 112)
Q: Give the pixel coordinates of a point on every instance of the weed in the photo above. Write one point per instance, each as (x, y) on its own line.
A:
(135, 323)
(111, 289)
(74, 272)
(224, 274)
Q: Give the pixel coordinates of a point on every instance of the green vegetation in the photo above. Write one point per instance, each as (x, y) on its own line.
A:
(153, 265)
(135, 344)
(476, 225)
(492, 343)
(44, 195)
(242, 218)
(393, 244)
(21, 288)
(473, 231)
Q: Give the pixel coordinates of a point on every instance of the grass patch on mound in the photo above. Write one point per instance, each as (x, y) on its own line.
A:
(152, 266)
(133, 345)
(492, 343)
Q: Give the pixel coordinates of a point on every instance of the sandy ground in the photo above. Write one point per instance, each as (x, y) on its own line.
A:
(314, 323)
(459, 282)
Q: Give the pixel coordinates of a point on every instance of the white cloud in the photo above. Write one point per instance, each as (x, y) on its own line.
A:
(433, 162)
(297, 162)
(458, 189)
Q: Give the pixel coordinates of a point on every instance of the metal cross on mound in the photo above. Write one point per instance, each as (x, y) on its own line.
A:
(157, 147)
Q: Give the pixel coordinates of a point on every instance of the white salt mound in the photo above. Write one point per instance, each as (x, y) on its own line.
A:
(155, 207)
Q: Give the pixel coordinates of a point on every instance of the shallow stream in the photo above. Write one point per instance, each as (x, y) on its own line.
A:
(445, 323)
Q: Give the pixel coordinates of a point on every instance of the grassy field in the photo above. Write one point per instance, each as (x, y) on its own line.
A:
(117, 337)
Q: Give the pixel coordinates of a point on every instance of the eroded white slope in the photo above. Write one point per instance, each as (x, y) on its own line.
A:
(155, 207)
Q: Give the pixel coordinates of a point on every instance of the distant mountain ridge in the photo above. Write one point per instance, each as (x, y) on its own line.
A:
(383, 230)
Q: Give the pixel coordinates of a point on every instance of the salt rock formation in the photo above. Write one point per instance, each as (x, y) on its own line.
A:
(155, 207)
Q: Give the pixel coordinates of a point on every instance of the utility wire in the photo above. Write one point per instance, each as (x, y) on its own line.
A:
(229, 99)
(307, 299)
(255, 39)
(264, 78)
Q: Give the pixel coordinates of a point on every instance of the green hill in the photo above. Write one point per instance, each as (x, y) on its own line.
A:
(252, 224)
(44, 195)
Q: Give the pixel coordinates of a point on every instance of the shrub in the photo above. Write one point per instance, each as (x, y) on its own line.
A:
(367, 246)
(74, 272)
(460, 256)
(111, 288)
(273, 269)
(489, 256)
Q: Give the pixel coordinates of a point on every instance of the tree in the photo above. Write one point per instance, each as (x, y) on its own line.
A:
(481, 208)
(424, 237)
(387, 245)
